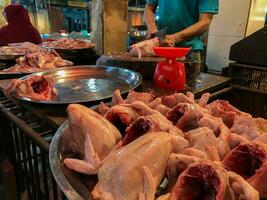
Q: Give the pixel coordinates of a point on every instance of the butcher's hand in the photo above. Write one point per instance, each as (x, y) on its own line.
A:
(151, 34)
(172, 39)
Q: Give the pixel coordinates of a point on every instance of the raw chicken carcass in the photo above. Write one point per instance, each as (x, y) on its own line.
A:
(132, 97)
(40, 88)
(92, 138)
(117, 98)
(134, 171)
(122, 116)
(144, 48)
(234, 140)
(144, 97)
(242, 189)
(203, 139)
(172, 100)
(202, 180)
(186, 115)
(250, 161)
(103, 108)
(204, 100)
(249, 127)
(261, 124)
(38, 61)
(157, 105)
(68, 43)
(152, 121)
(177, 164)
(19, 48)
(223, 109)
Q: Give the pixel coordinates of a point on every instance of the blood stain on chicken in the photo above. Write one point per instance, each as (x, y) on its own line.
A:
(138, 128)
(39, 86)
(174, 115)
(201, 183)
(245, 160)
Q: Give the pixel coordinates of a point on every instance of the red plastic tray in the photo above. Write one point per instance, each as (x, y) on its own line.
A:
(171, 52)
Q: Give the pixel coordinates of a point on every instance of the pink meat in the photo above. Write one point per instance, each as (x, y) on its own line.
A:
(223, 109)
(201, 180)
(250, 161)
(35, 87)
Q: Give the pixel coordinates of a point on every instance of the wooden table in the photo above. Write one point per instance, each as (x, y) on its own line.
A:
(56, 115)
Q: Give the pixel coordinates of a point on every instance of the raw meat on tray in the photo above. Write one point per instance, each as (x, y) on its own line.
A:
(38, 88)
(171, 148)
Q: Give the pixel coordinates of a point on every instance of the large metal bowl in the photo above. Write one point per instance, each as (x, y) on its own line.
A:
(74, 185)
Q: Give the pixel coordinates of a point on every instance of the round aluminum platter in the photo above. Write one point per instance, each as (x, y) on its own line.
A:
(69, 181)
(9, 57)
(9, 75)
(88, 83)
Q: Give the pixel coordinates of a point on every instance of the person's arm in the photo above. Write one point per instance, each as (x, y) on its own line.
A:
(150, 19)
(196, 29)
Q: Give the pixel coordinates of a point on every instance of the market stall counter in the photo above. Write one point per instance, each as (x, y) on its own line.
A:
(56, 115)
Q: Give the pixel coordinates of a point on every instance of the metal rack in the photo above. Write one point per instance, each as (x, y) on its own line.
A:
(24, 146)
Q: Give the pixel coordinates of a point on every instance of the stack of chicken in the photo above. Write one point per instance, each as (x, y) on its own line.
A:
(68, 43)
(38, 61)
(190, 149)
(19, 48)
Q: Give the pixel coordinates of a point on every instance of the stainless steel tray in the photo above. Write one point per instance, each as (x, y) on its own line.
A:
(73, 51)
(9, 57)
(9, 75)
(71, 183)
(88, 83)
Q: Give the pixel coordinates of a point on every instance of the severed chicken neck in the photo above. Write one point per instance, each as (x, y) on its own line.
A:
(206, 180)
(250, 161)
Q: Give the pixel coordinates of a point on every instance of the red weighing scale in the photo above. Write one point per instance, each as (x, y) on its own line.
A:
(170, 74)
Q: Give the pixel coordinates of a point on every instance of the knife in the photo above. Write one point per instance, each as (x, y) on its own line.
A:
(160, 35)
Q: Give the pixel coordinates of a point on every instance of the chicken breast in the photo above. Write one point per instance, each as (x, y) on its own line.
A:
(135, 170)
